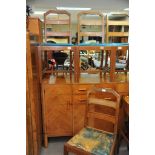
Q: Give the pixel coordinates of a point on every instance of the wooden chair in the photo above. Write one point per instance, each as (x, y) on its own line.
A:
(56, 35)
(117, 27)
(57, 21)
(90, 22)
(92, 140)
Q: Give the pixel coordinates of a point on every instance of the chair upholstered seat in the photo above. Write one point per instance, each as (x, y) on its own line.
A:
(93, 141)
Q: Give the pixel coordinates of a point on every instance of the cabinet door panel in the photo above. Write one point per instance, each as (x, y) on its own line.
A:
(57, 100)
(58, 89)
(58, 110)
(79, 109)
(79, 115)
(59, 120)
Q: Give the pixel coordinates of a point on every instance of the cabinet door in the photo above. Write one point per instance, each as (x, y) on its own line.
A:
(79, 115)
(79, 108)
(58, 115)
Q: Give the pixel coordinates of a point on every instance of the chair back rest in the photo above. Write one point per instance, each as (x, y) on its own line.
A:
(50, 20)
(98, 99)
(117, 27)
(86, 21)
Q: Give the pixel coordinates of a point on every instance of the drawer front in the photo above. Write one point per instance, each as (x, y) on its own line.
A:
(81, 89)
(79, 99)
(57, 89)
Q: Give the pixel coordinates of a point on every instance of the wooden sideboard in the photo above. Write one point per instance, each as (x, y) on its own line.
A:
(64, 99)
(57, 110)
(64, 106)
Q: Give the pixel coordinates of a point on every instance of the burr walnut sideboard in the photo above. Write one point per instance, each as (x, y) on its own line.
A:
(64, 106)
(64, 93)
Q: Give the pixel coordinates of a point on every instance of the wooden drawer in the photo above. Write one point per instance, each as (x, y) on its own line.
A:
(79, 99)
(81, 89)
(57, 89)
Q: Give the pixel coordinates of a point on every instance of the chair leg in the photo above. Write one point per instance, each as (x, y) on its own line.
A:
(65, 150)
(116, 148)
(128, 147)
(118, 143)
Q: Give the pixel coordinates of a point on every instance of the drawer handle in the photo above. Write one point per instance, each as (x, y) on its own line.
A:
(82, 100)
(107, 98)
(82, 89)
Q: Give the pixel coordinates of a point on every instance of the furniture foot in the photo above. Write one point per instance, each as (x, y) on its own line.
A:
(65, 150)
(45, 141)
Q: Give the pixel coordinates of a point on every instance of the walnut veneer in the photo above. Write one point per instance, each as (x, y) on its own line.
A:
(64, 107)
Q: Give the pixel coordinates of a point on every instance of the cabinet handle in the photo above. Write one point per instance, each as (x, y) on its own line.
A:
(108, 98)
(82, 89)
(82, 100)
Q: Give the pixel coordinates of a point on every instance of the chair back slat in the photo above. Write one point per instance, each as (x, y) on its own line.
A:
(105, 117)
(102, 105)
(104, 102)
